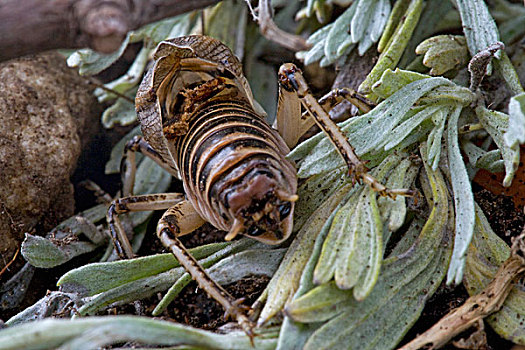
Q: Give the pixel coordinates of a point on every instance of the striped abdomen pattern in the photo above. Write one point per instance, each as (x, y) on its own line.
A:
(233, 166)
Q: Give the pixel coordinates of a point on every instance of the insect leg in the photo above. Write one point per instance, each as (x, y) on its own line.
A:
(294, 126)
(128, 166)
(135, 203)
(291, 80)
(338, 104)
(336, 96)
(177, 221)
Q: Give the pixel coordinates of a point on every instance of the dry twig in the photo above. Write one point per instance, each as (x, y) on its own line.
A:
(270, 30)
(4, 269)
(476, 307)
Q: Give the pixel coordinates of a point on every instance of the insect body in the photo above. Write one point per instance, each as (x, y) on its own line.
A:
(199, 122)
(231, 162)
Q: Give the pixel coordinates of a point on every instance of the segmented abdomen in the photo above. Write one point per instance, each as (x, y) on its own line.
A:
(227, 143)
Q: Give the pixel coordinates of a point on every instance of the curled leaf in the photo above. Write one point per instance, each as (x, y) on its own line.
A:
(515, 133)
(443, 53)
(497, 124)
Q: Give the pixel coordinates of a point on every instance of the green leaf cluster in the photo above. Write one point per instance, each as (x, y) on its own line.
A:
(360, 25)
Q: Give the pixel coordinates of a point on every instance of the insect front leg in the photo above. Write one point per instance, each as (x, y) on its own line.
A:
(130, 204)
(292, 81)
(182, 219)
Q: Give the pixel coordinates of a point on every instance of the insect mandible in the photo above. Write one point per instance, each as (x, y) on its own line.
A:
(201, 123)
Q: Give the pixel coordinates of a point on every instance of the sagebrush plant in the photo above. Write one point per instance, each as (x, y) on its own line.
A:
(361, 267)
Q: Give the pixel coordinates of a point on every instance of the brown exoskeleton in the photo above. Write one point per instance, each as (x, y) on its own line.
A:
(200, 123)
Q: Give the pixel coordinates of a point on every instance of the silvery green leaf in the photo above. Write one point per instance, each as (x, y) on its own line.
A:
(294, 334)
(515, 133)
(102, 331)
(400, 132)
(54, 303)
(314, 54)
(95, 278)
(339, 242)
(437, 17)
(443, 53)
(353, 248)
(514, 28)
(257, 261)
(491, 161)
(122, 112)
(393, 211)
(377, 16)
(496, 124)
(82, 223)
(113, 164)
(336, 40)
(472, 151)
(486, 253)
(366, 132)
(329, 300)
(62, 243)
(13, 291)
(396, 45)
(451, 94)
(226, 22)
(363, 13)
(367, 253)
(317, 40)
(434, 137)
(398, 12)
(463, 201)
(406, 281)
(285, 281)
(314, 191)
(319, 35)
(150, 178)
(42, 252)
(172, 27)
(91, 62)
(338, 33)
(261, 262)
(510, 18)
(393, 80)
(126, 82)
(324, 62)
(478, 25)
(143, 283)
(262, 82)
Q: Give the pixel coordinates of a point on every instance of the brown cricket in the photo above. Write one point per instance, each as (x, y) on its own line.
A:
(201, 123)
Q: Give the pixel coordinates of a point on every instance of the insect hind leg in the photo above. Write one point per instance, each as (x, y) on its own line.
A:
(131, 204)
(292, 81)
(179, 220)
(128, 165)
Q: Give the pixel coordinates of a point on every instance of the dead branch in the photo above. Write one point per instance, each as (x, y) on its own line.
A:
(31, 26)
(476, 307)
(271, 32)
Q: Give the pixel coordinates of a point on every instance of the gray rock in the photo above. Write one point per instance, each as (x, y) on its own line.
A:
(47, 113)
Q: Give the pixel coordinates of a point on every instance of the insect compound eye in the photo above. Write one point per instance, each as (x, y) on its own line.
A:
(254, 231)
(284, 210)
